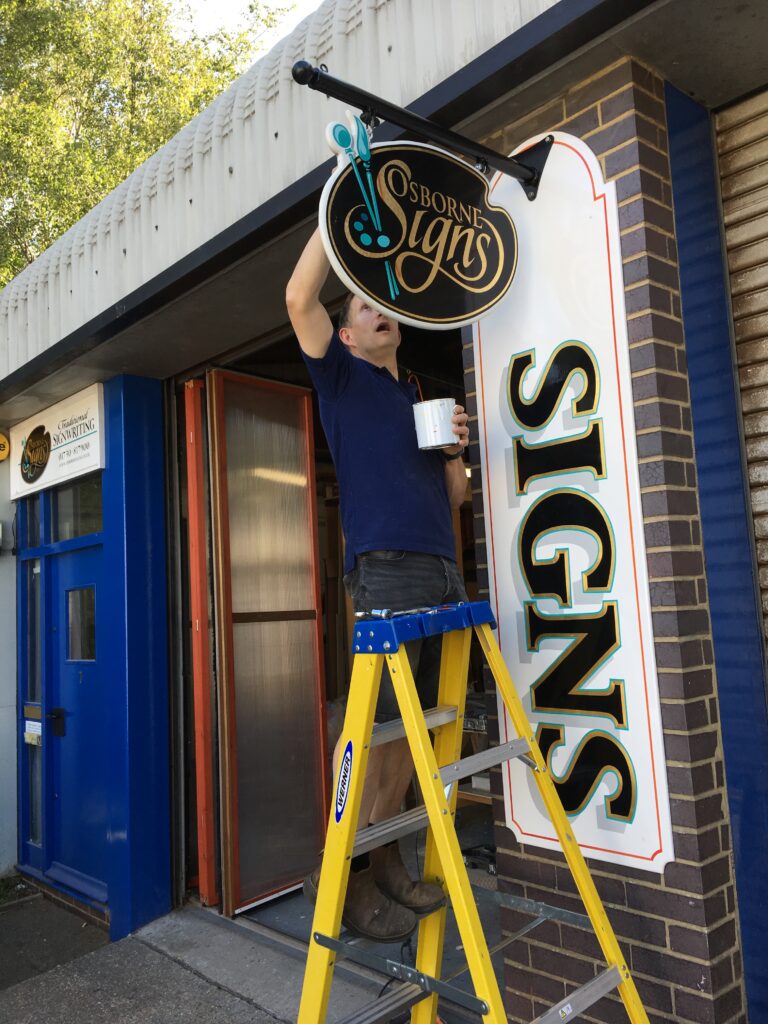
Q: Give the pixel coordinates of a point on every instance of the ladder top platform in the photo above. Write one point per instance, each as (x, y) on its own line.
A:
(385, 630)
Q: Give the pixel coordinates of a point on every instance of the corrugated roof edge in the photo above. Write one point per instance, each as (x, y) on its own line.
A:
(529, 50)
(244, 148)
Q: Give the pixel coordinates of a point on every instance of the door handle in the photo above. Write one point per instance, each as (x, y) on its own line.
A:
(58, 716)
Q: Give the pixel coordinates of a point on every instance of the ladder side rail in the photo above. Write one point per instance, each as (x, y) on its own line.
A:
(452, 690)
(573, 855)
(334, 876)
(446, 840)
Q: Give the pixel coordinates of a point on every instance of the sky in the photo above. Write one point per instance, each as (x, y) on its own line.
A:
(210, 15)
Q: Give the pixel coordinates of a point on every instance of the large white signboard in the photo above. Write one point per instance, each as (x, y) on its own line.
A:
(566, 551)
(58, 444)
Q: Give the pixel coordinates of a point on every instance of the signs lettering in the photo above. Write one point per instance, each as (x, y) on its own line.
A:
(411, 228)
(564, 525)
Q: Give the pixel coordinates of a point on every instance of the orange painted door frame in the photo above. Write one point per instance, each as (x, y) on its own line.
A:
(201, 652)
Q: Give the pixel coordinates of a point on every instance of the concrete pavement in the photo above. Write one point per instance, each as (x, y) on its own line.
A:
(36, 935)
(191, 967)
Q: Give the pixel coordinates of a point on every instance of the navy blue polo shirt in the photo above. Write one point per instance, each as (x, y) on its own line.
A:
(392, 494)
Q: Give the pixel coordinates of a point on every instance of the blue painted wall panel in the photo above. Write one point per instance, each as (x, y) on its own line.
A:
(134, 542)
(726, 523)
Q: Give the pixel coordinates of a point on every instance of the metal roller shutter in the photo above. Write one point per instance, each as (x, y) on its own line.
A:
(742, 144)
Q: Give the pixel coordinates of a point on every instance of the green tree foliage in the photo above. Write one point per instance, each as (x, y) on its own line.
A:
(89, 89)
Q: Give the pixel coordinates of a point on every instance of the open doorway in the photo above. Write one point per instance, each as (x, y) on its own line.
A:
(435, 360)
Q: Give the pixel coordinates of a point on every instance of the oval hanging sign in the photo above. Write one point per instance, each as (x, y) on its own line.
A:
(411, 228)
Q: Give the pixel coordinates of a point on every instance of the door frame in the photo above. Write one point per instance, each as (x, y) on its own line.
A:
(197, 542)
(29, 853)
(224, 633)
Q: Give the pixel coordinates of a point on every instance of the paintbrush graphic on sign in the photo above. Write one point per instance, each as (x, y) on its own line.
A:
(364, 152)
(339, 139)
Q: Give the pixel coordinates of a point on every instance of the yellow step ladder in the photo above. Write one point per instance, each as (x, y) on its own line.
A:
(439, 771)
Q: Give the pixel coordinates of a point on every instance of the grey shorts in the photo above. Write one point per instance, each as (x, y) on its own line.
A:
(400, 580)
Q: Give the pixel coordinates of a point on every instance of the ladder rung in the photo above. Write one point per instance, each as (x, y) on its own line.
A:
(545, 910)
(393, 828)
(501, 945)
(396, 1001)
(412, 821)
(485, 759)
(394, 969)
(582, 998)
(388, 731)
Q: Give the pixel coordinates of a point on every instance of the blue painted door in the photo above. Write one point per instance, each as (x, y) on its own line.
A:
(77, 725)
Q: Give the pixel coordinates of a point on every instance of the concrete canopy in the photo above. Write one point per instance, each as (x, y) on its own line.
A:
(254, 162)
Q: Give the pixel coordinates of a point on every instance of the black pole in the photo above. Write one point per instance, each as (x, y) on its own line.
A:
(528, 174)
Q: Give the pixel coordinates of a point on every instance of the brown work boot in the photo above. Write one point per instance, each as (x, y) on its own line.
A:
(367, 910)
(393, 879)
(311, 883)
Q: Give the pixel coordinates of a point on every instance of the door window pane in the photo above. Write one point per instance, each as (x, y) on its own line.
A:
(76, 508)
(33, 629)
(277, 725)
(81, 624)
(268, 494)
(35, 776)
(32, 507)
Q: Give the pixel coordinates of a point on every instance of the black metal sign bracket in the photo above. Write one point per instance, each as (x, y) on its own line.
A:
(527, 171)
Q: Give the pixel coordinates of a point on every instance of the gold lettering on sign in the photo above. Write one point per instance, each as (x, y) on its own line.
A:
(37, 451)
(437, 234)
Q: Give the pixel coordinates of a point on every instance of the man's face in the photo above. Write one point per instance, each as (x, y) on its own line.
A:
(369, 334)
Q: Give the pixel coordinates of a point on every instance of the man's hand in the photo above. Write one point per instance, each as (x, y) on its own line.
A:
(455, 470)
(309, 319)
(460, 429)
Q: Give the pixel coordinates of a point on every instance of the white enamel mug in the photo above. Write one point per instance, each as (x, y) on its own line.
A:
(434, 423)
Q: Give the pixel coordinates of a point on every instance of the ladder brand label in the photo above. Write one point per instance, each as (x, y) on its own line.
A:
(564, 521)
(345, 777)
(411, 228)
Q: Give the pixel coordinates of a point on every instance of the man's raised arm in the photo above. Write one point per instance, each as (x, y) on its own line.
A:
(308, 317)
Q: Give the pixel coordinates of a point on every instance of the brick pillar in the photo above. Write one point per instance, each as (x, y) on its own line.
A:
(679, 931)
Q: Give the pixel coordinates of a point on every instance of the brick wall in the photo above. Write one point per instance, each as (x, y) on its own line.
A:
(679, 932)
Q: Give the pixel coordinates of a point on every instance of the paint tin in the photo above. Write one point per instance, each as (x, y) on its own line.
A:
(434, 423)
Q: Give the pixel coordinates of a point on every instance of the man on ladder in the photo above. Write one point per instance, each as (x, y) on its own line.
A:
(396, 503)
(399, 556)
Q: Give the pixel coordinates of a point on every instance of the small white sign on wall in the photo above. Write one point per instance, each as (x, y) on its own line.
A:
(564, 527)
(58, 444)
